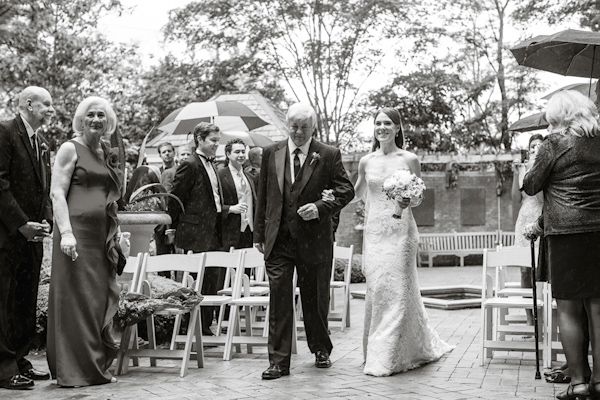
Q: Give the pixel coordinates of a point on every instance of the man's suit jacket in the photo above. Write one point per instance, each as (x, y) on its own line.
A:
(322, 169)
(232, 222)
(24, 182)
(196, 226)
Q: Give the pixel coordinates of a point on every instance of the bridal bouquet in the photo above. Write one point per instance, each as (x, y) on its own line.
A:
(403, 184)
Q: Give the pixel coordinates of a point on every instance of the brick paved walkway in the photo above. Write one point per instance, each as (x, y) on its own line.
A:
(456, 376)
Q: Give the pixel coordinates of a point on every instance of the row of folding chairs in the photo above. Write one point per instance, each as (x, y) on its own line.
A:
(502, 328)
(247, 299)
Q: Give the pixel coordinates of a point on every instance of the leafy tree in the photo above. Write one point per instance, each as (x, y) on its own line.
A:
(323, 50)
(497, 85)
(55, 44)
(555, 12)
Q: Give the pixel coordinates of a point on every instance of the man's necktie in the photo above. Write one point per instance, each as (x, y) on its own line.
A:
(243, 183)
(297, 164)
(209, 159)
(34, 146)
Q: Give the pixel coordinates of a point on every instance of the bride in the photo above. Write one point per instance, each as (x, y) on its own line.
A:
(397, 333)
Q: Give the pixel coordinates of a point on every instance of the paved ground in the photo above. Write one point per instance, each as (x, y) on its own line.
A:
(456, 376)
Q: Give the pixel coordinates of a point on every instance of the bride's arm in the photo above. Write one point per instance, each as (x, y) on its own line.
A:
(360, 188)
(415, 167)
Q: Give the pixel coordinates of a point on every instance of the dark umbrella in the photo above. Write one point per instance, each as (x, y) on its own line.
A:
(570, 53)
(530, 123)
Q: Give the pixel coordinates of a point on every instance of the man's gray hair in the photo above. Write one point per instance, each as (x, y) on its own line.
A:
(303, 111)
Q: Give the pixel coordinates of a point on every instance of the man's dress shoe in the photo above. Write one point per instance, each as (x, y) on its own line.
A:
(36, 375)
(17, 382)
(322, 359)
(275, 371)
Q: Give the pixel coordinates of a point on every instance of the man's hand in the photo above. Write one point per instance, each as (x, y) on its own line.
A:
(260, 247)
(125, 244)
(239, 208)
(308, 211)
(34, 231)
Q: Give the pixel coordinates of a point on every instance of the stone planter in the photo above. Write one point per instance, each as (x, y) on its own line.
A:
(141, 224)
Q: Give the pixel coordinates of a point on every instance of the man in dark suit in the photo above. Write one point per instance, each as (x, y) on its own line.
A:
(25, 210)
(199, 228)
(293, 229)
(239, 198)
(255, 160)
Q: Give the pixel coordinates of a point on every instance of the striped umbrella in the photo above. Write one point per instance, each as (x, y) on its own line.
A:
(227, 115)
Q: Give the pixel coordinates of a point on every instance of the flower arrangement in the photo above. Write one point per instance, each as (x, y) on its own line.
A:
(403, 184)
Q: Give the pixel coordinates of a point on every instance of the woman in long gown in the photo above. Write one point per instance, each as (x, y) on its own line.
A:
(83, 291)
(530, 211)
(397, 333)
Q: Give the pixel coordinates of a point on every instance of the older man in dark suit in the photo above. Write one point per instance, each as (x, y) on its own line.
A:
(24, 214)
(198, 228)
(293, 228)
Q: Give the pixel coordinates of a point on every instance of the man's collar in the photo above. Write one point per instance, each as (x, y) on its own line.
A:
(28, 128)
(304, 148)
(204, 156)
(233, 169)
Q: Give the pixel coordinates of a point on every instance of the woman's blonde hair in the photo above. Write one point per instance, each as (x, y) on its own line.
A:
(570, 112)
(85, 105)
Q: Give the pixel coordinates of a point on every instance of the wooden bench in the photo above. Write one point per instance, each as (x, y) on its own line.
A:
(459, 244)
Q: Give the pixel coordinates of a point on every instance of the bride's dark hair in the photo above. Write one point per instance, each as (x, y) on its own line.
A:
(395, 117)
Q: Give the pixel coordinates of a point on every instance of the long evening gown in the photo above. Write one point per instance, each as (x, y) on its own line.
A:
(84, 294)
(397, 333)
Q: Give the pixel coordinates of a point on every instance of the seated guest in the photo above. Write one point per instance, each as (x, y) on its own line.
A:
(567, 170)
(239, 197)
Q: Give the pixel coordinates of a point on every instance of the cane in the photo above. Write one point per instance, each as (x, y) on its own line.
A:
(535, 316)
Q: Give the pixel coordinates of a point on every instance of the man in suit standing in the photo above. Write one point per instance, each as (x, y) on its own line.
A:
(199, 228)
(293, 229)
(24, 211)
(239, 198)
(255, 159)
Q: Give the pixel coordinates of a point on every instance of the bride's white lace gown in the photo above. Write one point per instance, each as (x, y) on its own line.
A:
(397, 335)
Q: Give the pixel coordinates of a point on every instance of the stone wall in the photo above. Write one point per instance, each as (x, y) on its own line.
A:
(447, 209)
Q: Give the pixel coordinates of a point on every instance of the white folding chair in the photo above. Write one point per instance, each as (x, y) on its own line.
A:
(493, 328)
(214, 259)
(168, 262)
(344, 254)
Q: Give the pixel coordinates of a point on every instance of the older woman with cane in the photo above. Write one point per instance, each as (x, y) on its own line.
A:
(567, 170)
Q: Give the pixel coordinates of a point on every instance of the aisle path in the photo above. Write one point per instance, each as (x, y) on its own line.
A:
(456, 376)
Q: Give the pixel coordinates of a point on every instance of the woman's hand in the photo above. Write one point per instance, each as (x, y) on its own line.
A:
(125, 244)
(68, 245)
(327, 195)
(532, 231)
(403, 202)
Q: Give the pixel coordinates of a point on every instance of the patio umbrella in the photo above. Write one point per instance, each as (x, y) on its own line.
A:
(227, 115)
(250, 138)
(586, 88)
(570, 53)
(530, 123)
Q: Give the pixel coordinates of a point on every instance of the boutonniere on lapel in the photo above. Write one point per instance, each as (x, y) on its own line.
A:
(315, 157)
(43, 148)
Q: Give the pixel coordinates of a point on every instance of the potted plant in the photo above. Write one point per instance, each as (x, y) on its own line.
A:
(143, 208)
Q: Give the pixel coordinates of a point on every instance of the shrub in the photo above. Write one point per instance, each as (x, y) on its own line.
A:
(356, 275)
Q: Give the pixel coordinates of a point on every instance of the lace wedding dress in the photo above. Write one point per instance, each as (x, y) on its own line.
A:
(397, 334)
